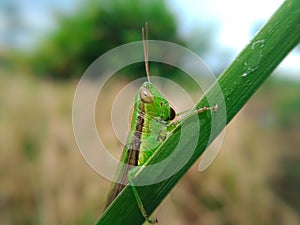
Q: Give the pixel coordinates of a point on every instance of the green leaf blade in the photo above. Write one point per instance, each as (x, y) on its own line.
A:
(238, 83)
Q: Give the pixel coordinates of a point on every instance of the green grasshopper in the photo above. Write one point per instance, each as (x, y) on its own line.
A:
(151, 123)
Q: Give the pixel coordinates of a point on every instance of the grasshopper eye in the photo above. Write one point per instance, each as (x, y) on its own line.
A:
(172, 113)
(146, 96)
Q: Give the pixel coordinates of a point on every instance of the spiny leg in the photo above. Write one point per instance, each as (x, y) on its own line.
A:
(173, 125)
(131, 175)
(205, 108)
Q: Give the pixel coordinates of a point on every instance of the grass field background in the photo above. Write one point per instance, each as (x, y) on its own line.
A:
(44, 179)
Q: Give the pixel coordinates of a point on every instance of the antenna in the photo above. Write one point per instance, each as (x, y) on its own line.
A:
(146, 55)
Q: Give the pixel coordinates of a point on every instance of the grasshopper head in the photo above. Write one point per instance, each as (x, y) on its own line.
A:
(153, 103)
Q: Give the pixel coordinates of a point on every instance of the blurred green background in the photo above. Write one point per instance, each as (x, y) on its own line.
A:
(45, 46)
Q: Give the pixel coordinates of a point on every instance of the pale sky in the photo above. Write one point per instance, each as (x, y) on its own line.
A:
(235, 20)
(235, 17)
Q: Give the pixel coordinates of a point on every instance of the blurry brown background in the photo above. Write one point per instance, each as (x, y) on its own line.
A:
(45, 48)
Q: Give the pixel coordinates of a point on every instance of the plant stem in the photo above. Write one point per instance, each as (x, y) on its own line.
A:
(238, 83)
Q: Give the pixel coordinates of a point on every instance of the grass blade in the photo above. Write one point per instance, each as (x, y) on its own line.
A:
(238, 83)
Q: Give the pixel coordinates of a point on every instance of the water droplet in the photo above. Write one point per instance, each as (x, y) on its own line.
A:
(258, 44)
(254, 59)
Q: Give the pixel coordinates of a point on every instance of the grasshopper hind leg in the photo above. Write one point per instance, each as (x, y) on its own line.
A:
(131, 175)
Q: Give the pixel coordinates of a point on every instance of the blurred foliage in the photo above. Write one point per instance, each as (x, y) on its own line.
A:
(284, 94)
(96, 27)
